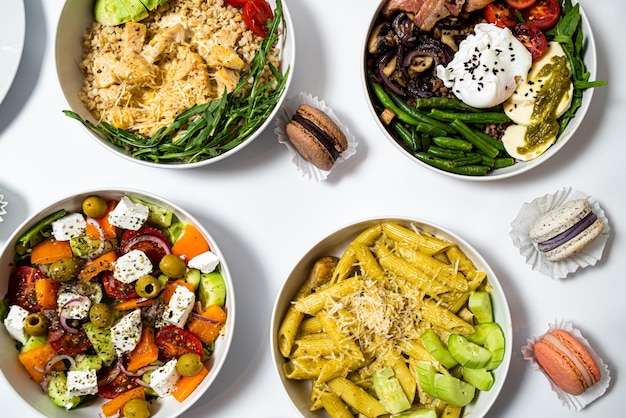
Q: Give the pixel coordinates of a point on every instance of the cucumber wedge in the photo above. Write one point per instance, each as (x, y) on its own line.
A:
(426, 376)
(482, 379)
(481, 331)
(467, 353)
(496, 344)
(157, 215)
(453, 391)
(418, 413)
(437, 349)
(102, 343)
(480, 304)
(389, 391)
(212, 289)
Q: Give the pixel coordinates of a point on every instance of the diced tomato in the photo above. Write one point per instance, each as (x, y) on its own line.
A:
(147, 239)
(500, 15)
(236, 3)
(256, 13)
(532, 38)
(119, 385)
(543, 14)
(173, 342)
(21, 288)
(520, 4)
(116, 289)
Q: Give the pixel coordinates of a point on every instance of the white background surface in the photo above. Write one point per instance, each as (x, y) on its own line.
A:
(265, 216)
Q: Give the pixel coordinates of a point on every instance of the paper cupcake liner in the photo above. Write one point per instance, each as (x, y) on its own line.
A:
(528, 215)
(285, 114)
(573, 402)
(3, 204)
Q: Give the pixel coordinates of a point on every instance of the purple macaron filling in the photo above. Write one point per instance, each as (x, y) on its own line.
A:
(318, 133)
(570, 233)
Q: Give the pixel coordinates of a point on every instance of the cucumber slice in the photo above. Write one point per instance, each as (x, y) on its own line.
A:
(482, 379)
(101, 341)
(193, 277)
(426, 376)
(389, 391)
(33, 342)
(495, 343)
(418, 413)
(57, 391)
(481, 331)
(480, 304)
(212, 289)
(437, 348)
(467, 353)
(453, 391)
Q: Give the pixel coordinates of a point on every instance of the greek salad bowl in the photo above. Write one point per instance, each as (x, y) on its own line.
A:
(113, 301)
(175, 83)
(362, 324)
(493, 77)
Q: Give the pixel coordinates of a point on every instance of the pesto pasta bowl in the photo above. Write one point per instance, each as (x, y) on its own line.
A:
(174, 85)
(364, 324)
(93, 316)
(415, 85)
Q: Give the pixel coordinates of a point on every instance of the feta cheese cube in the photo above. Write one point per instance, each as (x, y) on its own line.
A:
(73, 306)
(14, 323)
(126, 332)
(205, 262)
(68, 227)
(179, 307)
(131, 266)
(163, 379)
(128, 215)
(82, 382)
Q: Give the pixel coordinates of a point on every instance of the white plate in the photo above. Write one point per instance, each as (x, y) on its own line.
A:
(12, 33)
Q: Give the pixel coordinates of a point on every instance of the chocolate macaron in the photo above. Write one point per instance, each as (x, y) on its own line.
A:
(316, 136)
(567, 362)
(566, 229)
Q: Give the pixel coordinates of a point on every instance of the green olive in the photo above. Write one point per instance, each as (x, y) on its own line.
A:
(65, 269)
(189, 364)
(147, 286)
(101, 315)
(136, 408)
(36, 324)
(94, 207)
(173, 266)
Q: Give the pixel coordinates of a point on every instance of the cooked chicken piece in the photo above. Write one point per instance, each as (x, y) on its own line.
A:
(134, 36)
(225, 78)
(162, 41)
(104, 70)
(224, 56)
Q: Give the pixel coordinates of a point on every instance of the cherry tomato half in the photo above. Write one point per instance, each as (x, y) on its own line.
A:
(65, 342)
(236, 3)
(543, 14)
(520, 4)
(147, 239)
(256, 13)
(173, 342)
(21, 288)
(500, 15)
(532, 38)
(119, 385)
(116, 289)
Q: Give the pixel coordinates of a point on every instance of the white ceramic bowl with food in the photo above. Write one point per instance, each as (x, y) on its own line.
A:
(117, 89)
(334, 244)
(519, 166)
(16, 375)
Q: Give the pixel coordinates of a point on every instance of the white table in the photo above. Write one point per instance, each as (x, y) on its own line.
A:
(265, 216)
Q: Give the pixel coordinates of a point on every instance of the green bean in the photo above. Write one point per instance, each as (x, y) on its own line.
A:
(448, 165)
(452, 143)
(406, 135)
(471, 136)
(493, 141)
(443, 103)
(478, 117)
(445, 153)
(425, 141)
(420, 116)
(468, 160)
(503, 162)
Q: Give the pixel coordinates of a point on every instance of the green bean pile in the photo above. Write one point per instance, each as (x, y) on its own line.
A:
(446, 133)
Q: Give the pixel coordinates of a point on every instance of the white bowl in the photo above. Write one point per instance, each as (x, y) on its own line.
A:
(29, 391)
(334, 245)
(519, 167)
(77, 16)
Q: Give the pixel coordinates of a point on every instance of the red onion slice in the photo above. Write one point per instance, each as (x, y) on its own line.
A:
(204, 318)
(146, 237)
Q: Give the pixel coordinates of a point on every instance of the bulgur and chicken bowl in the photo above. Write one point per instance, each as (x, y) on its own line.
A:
(189, 84)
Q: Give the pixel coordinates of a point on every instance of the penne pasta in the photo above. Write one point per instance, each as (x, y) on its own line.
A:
(315, 302)
(443, 318)
(357, 397)
(335, 407)
(435, 268)
(315, 347)
(404, 375)
(427, 244)
(303, 368)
